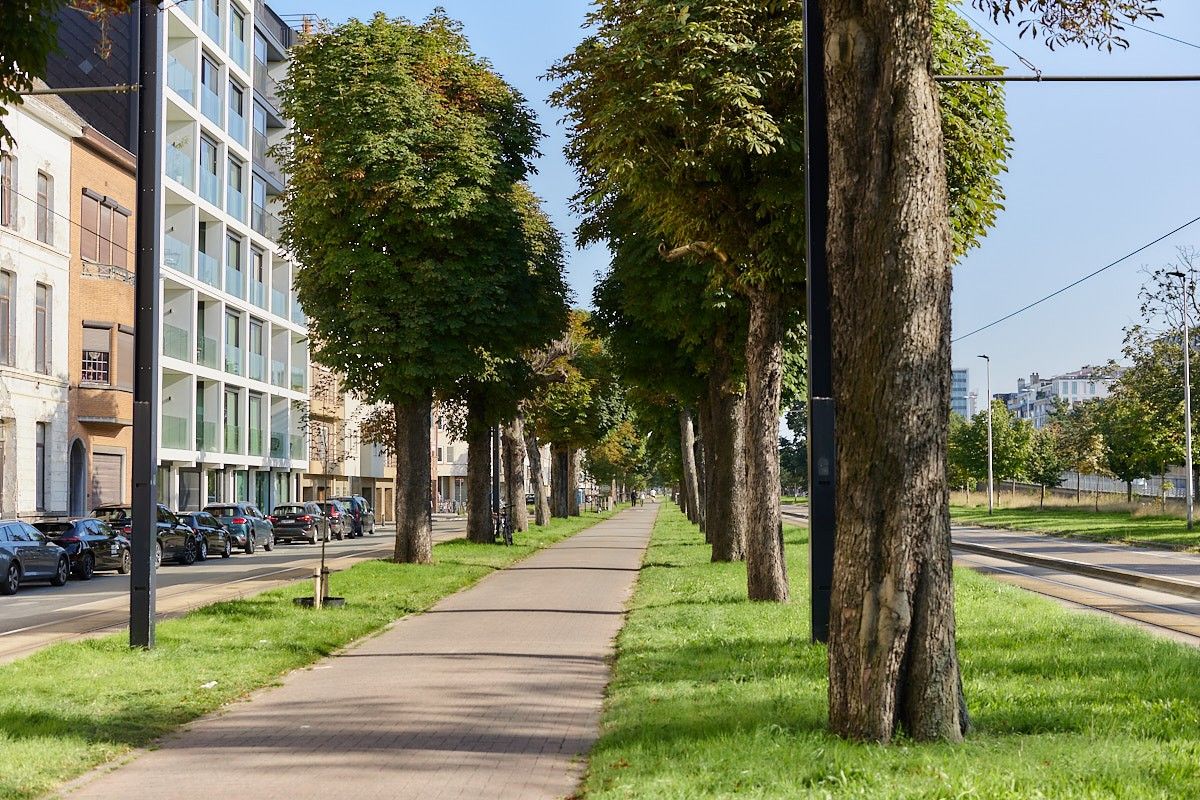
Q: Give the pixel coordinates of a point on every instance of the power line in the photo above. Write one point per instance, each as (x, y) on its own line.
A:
(1072, 285)
(983, 29)
(1163, 35)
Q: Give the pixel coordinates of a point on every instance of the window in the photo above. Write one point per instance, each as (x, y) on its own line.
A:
(41, 329)
(257, 273)
(8, 190)
(104, 234)
(45, 208)
(208, 74)
(39, 466)
(260, 50)
(237, 96)
(208, 156)
(7, 287)
(125, 357)
(96, 360)
(237, 25)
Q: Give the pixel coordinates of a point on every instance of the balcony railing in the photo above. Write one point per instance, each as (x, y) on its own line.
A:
(257, 367)
(237, 127)
(278, 446)
(298, 448)
(177, 254)
(258, 294)
(298, 382)
(278, 374)
(233, 281)
(206, 352)
(233, 439)
(179, 165)
(206, 435)
(210, 104)
(175, 342)
(181, 79)
(209, 270)
(174, 432)
(235, 203)
(210, 187)
(264, 222)
(212, 23)
(298, 315)
(233, 359)
(255, 442)
(279, 303)
(187, 8)
(238, 50)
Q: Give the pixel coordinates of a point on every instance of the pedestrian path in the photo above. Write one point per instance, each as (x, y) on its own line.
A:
(493, 693)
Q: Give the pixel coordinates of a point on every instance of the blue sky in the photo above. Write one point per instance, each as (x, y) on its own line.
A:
(1097, 171)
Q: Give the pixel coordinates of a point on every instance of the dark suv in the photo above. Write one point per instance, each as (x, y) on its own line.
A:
(246, 524)
(26, 554)
(176, 541)
(218, 540)
(361, 515)
(90, 544)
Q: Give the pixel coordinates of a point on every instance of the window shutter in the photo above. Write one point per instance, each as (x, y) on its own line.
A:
(120, 239)
(125, 359)
(89, 237)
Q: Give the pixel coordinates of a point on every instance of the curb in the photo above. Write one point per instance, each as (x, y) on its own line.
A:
(1141, 580)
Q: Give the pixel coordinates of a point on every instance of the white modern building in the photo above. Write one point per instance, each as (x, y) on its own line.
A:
(959, 392)
(35, 253)
(1036, 398)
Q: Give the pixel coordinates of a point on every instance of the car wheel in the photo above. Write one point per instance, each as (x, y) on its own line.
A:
(62, 573)
(188, 554)
(12, 579)
(270, 545)
(228, 549)
(158, 554)
(86, 568)
(312, 539)
(202, 553)
(250, 543)
(126, 565)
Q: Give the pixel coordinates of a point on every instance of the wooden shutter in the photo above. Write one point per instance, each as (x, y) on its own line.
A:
(108, 478)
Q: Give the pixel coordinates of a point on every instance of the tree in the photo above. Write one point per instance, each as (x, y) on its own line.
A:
(1134, 446)
(1047, 461)
(891, 243)
(404, 159)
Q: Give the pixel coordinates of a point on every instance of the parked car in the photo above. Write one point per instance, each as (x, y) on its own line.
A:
(27, 555)
(175, 541)
(299, 521)
(91, 544)
(530, 499)
(246, 524)
(361, 514)
(338, 517)
(217, 540)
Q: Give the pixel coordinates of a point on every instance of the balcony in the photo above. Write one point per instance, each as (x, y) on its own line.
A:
(210, 104)
(181, 79)
(298, 382)
(233, 359)
(279, 304)
(212, 24)
(298, 449)
(264, 222)
(237, 127)
(233, 439)
(206, 436)
(233, 281)
(257, 367)
(206, 352)
(179, 165)
(209, 270)
(187, 8)
(258, 294)
(210, 187)
(278, 374)
(278, 446)
(298, 315)
(174, 432)
(264, 84)
(255, 442)
(235, 203)
(177, 254)
(239, 52)
(175, 342)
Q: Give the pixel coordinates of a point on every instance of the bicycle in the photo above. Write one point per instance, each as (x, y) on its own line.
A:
(502, 526)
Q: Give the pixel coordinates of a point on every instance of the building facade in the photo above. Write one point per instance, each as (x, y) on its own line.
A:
(35, 276)
(1036, 398)
(960, 392)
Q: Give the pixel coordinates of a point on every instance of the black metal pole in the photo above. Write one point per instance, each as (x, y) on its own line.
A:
(821, 446)
(145, 382)
(496, 481)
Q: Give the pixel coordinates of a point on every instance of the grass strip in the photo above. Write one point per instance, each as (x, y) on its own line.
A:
(714, 696)
(73, 706)
(1081, 523)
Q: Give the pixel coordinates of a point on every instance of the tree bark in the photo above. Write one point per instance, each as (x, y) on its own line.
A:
(766, 570)
(559, 475)
(479, 476)
(687, 455)
(573, 481)
(726, 465)
(414, 512)
(892, 656)
(512, 441)
(704, 466)
(1042, 501)
(1128, 491)
(541, 499)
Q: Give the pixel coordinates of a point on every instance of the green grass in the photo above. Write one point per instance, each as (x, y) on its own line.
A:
(793, 500)
(1101, 526)
(717, 697)
(73, 706)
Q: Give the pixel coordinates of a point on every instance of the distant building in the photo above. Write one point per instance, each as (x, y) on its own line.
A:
(1036, 398)
(959, 392)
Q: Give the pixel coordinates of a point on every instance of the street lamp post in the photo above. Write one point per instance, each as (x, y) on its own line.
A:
(988, 399)
(1187, 390)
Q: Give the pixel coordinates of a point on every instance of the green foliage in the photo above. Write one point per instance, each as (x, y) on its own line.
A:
(1047, 459)
(404, 208)
(1084, 523)
(578, 410)
(1080, 438)
(1090, 23)
(1012, 442)
(1134, 446)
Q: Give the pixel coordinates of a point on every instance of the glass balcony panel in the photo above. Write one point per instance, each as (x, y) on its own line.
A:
(187, 8)
(179, 165)
(209, 271)
(206, 352)
(174, 432)
(210, 187)
(257, 367)
(177, 255)
(298, 381)
(255, 442)
(237, 128)
(279, 445)
(235, 203)
(175, 342)
(239, 51)
(278, 373)
(210, 104)
(206, 436)
(258, 294)
(212, 24)
(298, 316)
(233, 359)
(279, 303)
(233, 281)
(233, 439)
(181, 79)
(298, 449)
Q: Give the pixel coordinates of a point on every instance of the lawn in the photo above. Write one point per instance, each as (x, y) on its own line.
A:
(793, 500)
(1104, 526)
(717, 697)
(73, 706)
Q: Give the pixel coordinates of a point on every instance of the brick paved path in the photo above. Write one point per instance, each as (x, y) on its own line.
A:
(493, 693)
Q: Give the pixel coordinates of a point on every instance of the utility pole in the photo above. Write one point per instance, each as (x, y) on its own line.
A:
(145, 382)
(1187, 390)
(988, 399)
(822, 474)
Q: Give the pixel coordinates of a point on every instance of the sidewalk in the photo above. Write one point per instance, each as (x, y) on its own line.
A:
(495, 693)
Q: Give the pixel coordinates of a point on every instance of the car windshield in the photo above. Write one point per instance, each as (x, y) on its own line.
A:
(224, 511)
(289, 509)
(111, 514)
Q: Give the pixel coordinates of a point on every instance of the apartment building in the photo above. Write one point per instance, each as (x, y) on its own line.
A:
(959, 392)
(35, 273)
(1036, 398)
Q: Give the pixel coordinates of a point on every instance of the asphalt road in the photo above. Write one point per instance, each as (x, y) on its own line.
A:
(40, 614)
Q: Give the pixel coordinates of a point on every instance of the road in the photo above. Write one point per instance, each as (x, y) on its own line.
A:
(39, 614)
(1174, 614)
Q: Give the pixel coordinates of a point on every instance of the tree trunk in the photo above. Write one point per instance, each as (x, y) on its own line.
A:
(1042, 501)
(681, 499)
(541, 499)
(726, 465)
(512, 440)
(1078, 494)
(892, 656)
(559, 474)
(704, 466)
(766, 570)
(1128, 491)
(573, 456)
(479, 477)
(414, 513)
(687, 454)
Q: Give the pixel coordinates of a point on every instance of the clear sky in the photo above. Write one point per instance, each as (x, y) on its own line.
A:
(1097, 171)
